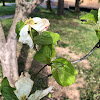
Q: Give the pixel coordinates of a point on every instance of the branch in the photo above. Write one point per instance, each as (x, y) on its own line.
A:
(41, 69)
(96, 46)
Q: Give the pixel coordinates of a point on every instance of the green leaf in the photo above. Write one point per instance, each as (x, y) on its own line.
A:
(95, 13)
(46, 38)
(19, 26)
(63, 72)
(34, 32)
(89, 18)
(45, 54)
(7, 90)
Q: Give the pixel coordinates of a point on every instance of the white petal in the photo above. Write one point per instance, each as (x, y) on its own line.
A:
(25, 38)
(41, 26)
(40, 94)
(23, 87)
(36, 19)
(25, 28)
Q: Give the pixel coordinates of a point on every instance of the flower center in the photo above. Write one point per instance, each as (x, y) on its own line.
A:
(23, 98)
(29, 21)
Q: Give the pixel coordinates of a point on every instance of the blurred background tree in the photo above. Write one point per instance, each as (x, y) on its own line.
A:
(60, 9)
(49, 5)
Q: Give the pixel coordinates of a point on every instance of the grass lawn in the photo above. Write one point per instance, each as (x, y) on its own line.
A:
(81, 39)
(7, 10)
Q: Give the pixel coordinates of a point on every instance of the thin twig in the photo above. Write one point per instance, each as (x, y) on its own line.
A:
(96, 46)
(41, 69)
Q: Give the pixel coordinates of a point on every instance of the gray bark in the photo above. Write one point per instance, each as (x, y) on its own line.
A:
(8, 56)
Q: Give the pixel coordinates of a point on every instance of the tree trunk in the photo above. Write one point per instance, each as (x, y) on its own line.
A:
(49, 5)
(77, 8)
(8, 56)
(3, 2)
(60, 9)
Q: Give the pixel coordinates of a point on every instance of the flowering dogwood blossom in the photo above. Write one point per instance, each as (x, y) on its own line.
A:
(37, 24)
(24, 86)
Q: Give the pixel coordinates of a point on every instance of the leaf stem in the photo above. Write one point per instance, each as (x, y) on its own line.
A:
(41, 69)
(96, 46)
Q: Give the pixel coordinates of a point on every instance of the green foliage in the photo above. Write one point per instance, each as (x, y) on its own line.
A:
(63, 72)
(46, 38)
(93, 18)
(95, 13)
(7, 90)
(89, 18)
(19, 26)
(45, 54)
(34, 32)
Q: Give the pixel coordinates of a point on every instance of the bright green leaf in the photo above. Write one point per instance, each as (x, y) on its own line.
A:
(89, 18)
(46, 38)
(63, 72)
(7, 90)
(19, 26)
(45, 54)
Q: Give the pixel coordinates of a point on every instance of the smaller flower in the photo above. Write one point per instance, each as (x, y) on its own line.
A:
(37, 24)
(40, 24)
(24, 87)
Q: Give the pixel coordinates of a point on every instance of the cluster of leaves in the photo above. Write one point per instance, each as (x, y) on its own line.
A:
(92, 18)
(62, 70)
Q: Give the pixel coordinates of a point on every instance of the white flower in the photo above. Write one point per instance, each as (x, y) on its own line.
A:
(24, 87)
(40, 24)
(25, 37)
(36, 23)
